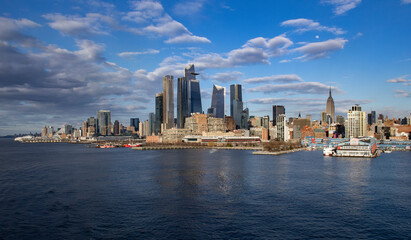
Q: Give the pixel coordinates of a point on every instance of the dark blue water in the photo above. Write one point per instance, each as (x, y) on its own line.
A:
(64, 191)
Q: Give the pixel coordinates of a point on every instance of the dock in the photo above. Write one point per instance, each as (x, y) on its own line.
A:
(194, 147)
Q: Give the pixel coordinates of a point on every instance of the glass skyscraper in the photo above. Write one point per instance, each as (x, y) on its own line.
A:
(188, 95)
(134, 122)
(168, 102)
(236, 103)
(217, 101)
(277, 110)
(104, 122)
(159, 113)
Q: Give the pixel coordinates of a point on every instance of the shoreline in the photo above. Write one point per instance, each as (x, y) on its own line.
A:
(278, 153)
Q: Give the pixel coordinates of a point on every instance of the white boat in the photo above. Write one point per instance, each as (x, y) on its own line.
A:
(328, 151)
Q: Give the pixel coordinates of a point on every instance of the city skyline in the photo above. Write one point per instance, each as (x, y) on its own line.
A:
(62, 63)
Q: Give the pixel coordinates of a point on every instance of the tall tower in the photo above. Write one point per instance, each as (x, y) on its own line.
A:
(236, 103)
(182, 101)
(356, 123)
(330, 108)
(168, 101)
(235, 94)
(104, 122)
(217, 101)
(193, 90)
(159, 113)
(277, 110)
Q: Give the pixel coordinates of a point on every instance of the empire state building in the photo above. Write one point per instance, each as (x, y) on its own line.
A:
(330, 108)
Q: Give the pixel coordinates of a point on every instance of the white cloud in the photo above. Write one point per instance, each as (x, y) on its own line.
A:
(275, 78)
(129, 54)
(275, 46)
(399, 80)
(188, 8)
(187, 38)
(300, 87)
(304, 25)
(402, 93)
(10, 29)
(225, 77)
(91, 24)
(317, 50)
(405, 1)
(159, 23)
(342, 6)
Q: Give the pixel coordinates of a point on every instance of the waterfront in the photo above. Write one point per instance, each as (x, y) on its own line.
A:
(54, 191)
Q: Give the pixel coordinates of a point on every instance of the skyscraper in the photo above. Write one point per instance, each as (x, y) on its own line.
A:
(182, 101)
(116, 128)
(356, 123)
(193, 87)
(235, 94)
(236, 103)
(168, 102)
(104, 122)
(188, 95)
(373, 117)
(151, 122)
(330, 107)
(159, 113)
(135, 122)
(277, 110)
(217, 101)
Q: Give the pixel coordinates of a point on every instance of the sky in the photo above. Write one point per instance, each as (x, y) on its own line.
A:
(62, 61)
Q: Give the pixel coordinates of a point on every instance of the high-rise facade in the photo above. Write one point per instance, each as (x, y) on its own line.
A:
(151, 122)
(235, 94)
(188, 95)
(159, 113)
(236, 103)
(182, 101)
(104, 122)
(277, 110)
(116, 128)
(330, 108)
(168, 102)
(134, 122)
(282, 129)
(217, 101)
(193, 88)
(356, 123)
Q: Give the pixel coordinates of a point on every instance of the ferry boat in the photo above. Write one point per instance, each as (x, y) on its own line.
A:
(328, 151)
(357, 147)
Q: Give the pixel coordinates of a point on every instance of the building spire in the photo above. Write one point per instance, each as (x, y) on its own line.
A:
(330, 91)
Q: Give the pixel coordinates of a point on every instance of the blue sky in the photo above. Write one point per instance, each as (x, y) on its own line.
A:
(61, 61)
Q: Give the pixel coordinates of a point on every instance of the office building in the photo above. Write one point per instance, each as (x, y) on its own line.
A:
(182, 101)
(356, 123)
(151, 123)
(235, 94)
(116, 128)
(134, 122)
(104, 122)
(217, 101)
(159, 113)
(193, 87)
(277, 110)
(168, 102)
(330, 109)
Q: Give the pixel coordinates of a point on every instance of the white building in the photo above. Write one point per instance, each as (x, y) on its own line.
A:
(356, 122)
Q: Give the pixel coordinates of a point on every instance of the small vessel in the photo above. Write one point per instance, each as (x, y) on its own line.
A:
(388, 150)
(328, 151)
(132, 145)
(107, 146)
